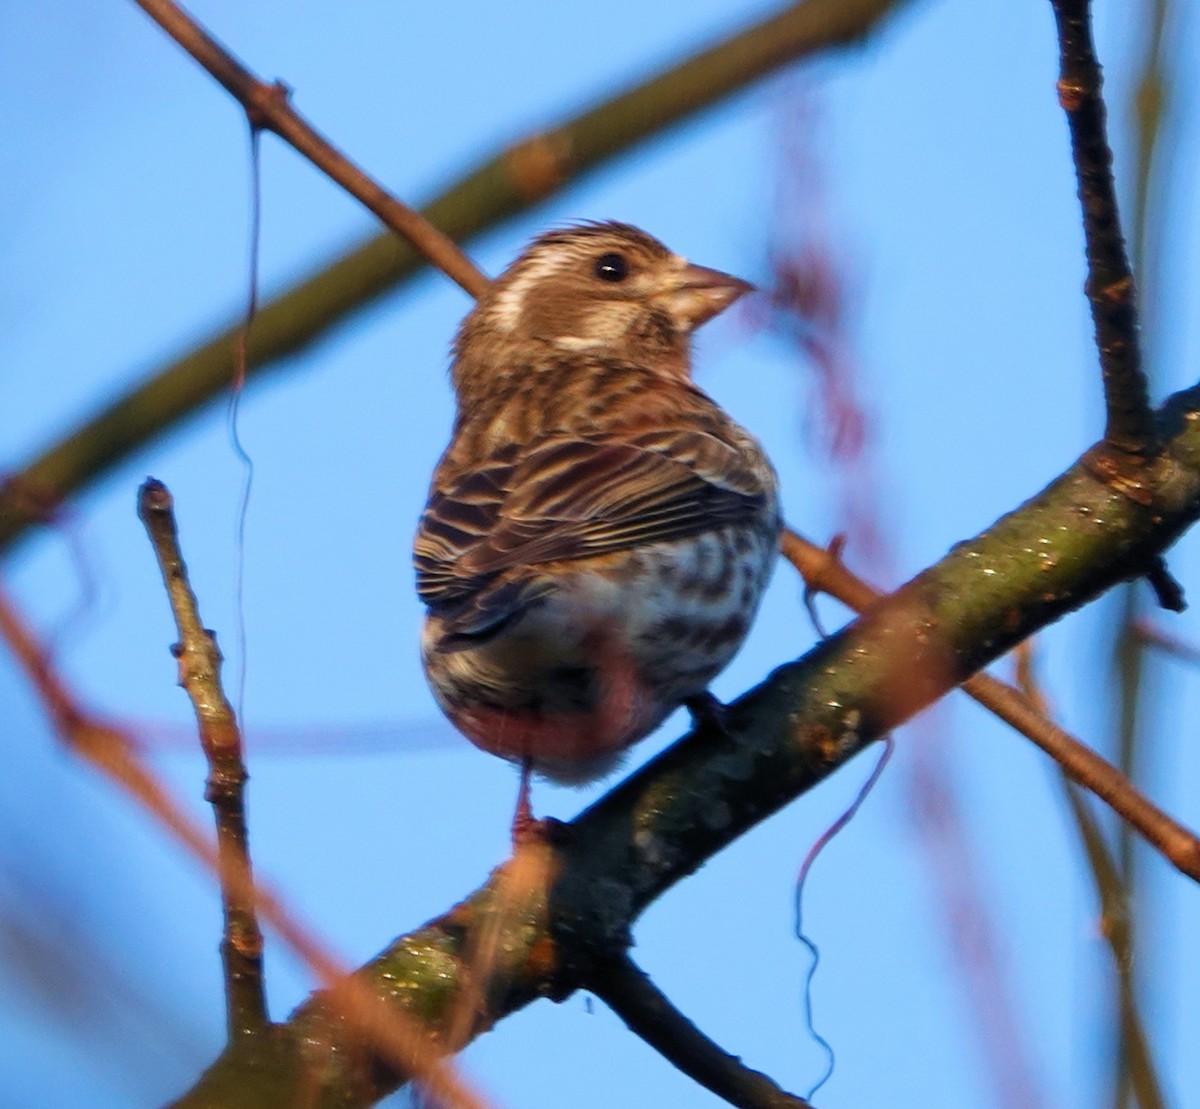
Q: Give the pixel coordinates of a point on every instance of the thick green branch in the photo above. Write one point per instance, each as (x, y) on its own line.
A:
(513, 181)
(1075, 539)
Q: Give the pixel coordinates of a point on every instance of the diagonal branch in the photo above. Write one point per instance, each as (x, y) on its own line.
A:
(513, 181)
(1062, 548)
(824, 571)
(1129, 427)
(269, 107)
(647, 1012)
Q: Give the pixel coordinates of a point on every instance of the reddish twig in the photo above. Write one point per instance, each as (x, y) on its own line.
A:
(1150, 635)
(200, 676)
(648, 1013)
(1110, 286)
(390, 1031)
(269, 107)
(1177, 843)
(521, 889)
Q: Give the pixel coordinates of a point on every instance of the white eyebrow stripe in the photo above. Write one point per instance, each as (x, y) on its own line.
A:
(581, 342)
(506, 309)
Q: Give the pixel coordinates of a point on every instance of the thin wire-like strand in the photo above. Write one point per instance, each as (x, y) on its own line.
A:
(240, 362)
(816, 849)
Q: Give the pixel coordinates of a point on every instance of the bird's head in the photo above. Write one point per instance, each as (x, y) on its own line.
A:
(595, 288)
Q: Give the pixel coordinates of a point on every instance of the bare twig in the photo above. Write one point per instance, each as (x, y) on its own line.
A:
(648, 1013)
(388, 1030)
(200, 675)
(1110, 288)
(269, 107)
(513, 181)
(1178, 844)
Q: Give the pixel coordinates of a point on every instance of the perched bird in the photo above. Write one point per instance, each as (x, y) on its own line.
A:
(599, 532)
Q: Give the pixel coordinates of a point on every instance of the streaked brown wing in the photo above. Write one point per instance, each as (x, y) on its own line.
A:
(574, 498)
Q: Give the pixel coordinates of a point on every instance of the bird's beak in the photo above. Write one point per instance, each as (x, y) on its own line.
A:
(696, 294)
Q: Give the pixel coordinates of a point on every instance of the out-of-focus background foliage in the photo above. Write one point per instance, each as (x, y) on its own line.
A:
(930, 171)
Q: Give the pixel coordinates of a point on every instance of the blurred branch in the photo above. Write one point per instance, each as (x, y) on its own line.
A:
(1133, 742)
(513, 181)
(200, 675)
(648, 1013)
(270, 1062)
(1063, 547)
(822, 570)
(268, 107)
(1129, 427)
(1150, 635)
(1115, 916)
(1152, 98)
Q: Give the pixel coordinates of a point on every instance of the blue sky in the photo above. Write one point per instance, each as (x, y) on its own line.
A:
(949, 196)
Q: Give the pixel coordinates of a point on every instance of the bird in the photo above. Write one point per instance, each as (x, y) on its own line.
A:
(599, 532)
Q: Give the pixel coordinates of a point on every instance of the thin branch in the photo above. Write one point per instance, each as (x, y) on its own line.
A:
(822, 570)
(393, 1033)
(1150, 635)
(648, 1013)
(1152, 102)
(513, 181)
(269, 107)
(1115, 916)
(1110, 287)
(1133, 742)
(200, 675)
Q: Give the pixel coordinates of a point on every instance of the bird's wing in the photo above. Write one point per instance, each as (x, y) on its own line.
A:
(569, 499)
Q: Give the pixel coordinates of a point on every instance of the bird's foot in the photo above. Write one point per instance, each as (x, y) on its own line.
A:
(708, 712)
(528, 830)
(524, 827)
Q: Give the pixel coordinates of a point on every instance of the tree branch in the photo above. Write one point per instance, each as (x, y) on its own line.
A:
(200, 675)
(648, 1013)
(1115, 916)
(270, 1064)
(511, 182)
(1110, 289)
(824, 571)
(268, 107)
(1063, 547)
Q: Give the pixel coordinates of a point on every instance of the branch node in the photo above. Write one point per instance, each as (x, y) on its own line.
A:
(1167, 591)
(539, 165)
(264, 102)
(1071, 94)
(815, 579)
(1121, 468)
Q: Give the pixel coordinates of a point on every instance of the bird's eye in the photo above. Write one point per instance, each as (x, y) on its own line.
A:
(612, 267)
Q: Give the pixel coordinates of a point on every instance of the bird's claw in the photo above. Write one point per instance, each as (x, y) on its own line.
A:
(708, 712)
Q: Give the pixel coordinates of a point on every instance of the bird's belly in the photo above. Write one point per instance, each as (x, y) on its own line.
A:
(607, 654)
